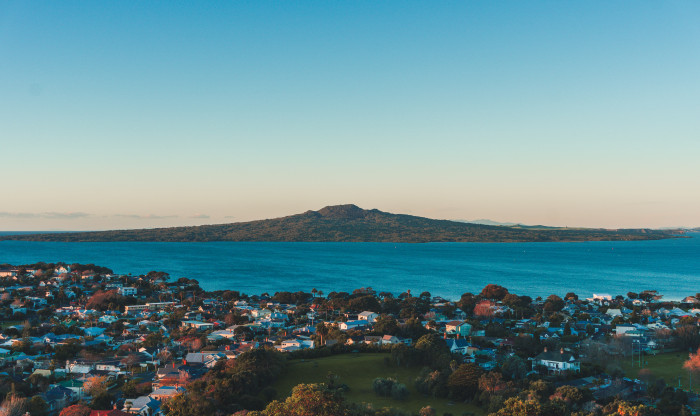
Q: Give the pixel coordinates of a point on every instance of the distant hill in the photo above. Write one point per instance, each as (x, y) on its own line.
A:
(490, 222)
(514, 225)
(349, 223)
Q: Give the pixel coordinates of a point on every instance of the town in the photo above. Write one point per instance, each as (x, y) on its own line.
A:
(80, 340)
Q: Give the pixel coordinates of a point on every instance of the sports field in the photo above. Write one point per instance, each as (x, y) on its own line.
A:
(668, 366)
(358, 371)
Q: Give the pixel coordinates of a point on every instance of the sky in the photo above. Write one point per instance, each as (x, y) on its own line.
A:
(149, 114)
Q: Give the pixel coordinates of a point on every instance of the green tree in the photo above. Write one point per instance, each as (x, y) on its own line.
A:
(37, 406)
(184, 405)
(386, 324)
(307, 400)
(516, 406)
(433, 350)
(464, 382)
(514, 368)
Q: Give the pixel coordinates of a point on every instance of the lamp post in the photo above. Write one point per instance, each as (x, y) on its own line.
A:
(636, 341)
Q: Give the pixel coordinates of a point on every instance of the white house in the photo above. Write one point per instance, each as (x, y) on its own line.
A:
(108, 319)
(143, 406)
(75, 367)
(368, 316)
(614, 312)
(201, 326)
(460, 345)
(128, 291)
(558, 362)
(344, 326)
(390, 340)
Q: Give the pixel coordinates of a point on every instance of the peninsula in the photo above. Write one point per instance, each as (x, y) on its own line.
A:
(350, 223)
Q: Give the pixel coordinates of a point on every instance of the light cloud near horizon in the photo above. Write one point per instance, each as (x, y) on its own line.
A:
(145, 217)
(81, 215)
(49, 215)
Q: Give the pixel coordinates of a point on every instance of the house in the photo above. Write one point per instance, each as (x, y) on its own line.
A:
(127, 291)
(208, 359)
(691, 300)
(93, 331)
(626, 330)
(558, 362)
(57, 398)
(200, 326)
(372, 339)
(134, 308)
(355, 340)
(166, 392)
(111, 367)
(614, 313)
(461, 346)
(143, 406)
(460, 314)
(76, 386)
(223, 333)
(299, 343)
(458, 327)
(368, 316)
(390, 340)
(78, 367)
(108, 319)
(8, 272)
(600, 297)
(345, 326)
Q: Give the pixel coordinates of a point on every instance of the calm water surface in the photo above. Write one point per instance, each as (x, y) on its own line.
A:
(447, 269)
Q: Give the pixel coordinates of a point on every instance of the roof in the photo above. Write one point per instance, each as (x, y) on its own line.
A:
(457, 343)
(167, 391)
(143, 401)
(556, 356)
(110, 412)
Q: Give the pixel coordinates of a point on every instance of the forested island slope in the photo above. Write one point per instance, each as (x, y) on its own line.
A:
(349, 223)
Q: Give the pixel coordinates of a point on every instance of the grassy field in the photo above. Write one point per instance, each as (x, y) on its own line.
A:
(5, 324)
(358, 371)
(668, 366)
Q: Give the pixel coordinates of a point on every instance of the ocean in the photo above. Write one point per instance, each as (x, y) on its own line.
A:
(445, 269)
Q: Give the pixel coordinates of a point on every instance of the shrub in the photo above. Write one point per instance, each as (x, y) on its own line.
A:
(399, 391)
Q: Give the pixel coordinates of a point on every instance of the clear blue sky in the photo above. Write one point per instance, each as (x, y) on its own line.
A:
(143, 114)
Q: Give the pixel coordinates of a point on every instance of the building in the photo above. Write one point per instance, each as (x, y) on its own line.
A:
(458, 327)
(200, 326)
(558, 362)
(368, 316)
(127, 291)
(344, 326)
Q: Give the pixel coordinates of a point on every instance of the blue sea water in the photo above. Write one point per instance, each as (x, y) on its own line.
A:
(447, 269)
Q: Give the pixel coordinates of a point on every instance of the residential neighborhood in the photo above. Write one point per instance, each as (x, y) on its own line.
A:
(81, 335)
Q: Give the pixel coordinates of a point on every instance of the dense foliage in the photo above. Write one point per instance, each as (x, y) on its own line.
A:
(230, 386)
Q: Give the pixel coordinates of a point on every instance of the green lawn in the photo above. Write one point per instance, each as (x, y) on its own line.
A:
(358, 371)
(668, 366)
(5, 324)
